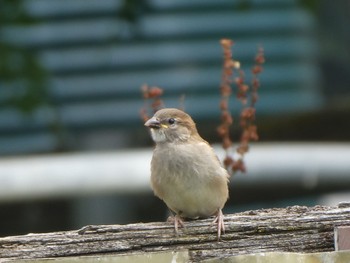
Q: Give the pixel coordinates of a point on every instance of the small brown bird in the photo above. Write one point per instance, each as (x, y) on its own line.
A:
(185, 172)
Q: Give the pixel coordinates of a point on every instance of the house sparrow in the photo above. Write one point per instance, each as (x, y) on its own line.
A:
(185, 172)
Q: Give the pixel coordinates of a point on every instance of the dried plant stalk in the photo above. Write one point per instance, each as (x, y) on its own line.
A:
(235, 162)
(225, 90)
(151, 93)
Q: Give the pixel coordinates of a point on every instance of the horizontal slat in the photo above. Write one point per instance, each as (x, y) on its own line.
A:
(175, 81)
(47, 9)
(12, 119)
(64, 32)
(64, 8)
(28, 143)
(185, 4)
(85, 115)
(278, 103)
(178, 80)
(164, 26)
(170, 53)
(257, 22)
(201, 107)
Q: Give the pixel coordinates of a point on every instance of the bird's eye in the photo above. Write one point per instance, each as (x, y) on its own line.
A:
(171, 121)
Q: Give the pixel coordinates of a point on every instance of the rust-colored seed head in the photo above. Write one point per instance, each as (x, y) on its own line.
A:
(248, 113)
(256, 83)
(260, 58)
(226, 90)
(223, 105)
(222, 130)
(226, 118)
(226, 142)
(257, 69)
(239, 81)
(228, 161)
(155, 92)
(144, 90)
(144, 115)
(243, 88)
(239, 166)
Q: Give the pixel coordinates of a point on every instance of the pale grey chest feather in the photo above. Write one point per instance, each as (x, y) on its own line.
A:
(185, 159)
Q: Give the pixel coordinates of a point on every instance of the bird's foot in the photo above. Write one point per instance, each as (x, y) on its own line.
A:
(177, 220)
(219, 220)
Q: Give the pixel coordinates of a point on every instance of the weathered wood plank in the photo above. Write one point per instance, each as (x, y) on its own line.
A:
(291, 229)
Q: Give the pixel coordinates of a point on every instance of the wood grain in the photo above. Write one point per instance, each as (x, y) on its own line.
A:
(291, 229)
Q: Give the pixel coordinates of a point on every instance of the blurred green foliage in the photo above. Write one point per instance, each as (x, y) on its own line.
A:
(310, 5)
(12, 12)
(22, 78)
(131, 10)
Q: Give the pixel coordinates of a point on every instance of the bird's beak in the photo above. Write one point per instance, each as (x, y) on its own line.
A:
(153, 123)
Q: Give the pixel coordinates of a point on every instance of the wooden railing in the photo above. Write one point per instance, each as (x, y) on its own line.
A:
(292, 229)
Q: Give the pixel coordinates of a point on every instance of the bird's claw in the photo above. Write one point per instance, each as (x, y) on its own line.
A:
(219, 220)
(177, 220)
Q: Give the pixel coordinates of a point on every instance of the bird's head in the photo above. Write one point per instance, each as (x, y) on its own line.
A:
(171, 125)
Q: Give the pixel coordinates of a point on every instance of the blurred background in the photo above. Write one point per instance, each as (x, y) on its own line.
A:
(73, 148)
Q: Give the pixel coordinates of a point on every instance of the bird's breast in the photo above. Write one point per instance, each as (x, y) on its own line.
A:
(189, 178)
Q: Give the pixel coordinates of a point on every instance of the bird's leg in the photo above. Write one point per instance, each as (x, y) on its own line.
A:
(177, 222)
(219, 220)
